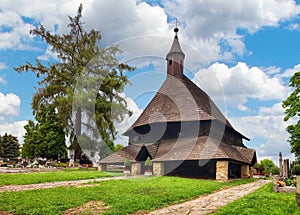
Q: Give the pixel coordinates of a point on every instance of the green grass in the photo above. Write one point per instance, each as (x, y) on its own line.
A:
(263, 201)
(40, 177)
(123, 196)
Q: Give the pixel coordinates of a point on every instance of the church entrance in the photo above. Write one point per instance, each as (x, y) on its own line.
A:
(234, 170)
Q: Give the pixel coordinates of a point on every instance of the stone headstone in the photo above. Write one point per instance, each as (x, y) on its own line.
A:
(280, 165)
(298, 191)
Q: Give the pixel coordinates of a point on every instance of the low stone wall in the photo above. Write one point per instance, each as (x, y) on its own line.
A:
(286, 189)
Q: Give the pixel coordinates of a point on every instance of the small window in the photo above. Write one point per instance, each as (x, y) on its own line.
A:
(170, 62)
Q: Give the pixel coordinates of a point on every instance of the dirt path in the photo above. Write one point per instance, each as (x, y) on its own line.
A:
(46, 185)
(210, 203)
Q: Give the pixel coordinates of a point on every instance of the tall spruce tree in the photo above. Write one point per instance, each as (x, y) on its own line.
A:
(292, 111)
(76, 51)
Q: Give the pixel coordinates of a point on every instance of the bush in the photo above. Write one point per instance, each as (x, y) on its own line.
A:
(275, 170)
(297, 169)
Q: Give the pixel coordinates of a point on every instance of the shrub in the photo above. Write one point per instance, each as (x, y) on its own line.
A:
(297, 169)
(127, 163)
(148, 163)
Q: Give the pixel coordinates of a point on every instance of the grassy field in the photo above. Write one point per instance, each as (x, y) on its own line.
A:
(39, 177)
(122, 196)
(263, 201)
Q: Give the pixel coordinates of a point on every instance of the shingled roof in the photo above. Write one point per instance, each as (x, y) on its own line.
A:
(179, 100)
(199, 148)
(131, 152)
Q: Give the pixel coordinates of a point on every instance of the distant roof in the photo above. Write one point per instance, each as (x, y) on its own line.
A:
(179, 100)
(131, 152)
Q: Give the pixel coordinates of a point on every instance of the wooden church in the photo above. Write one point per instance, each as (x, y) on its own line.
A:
(184, 132)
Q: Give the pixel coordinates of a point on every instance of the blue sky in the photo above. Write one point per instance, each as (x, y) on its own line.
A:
(247, 51)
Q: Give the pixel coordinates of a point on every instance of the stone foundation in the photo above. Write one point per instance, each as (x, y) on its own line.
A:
(245, 173)
(102, 167)
(222, 170)
(136, 168)
(158, 168)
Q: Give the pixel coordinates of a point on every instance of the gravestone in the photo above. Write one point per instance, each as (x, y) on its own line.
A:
(280, 165)
(298, 191)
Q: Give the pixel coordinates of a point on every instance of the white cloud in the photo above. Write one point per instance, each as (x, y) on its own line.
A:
(290, 72)
(49, 54)
(14, 32)
(2, 80)
(15, 129)
(9, 104)
(216, 20)
(267, 131)
(238, 83)
(128, 121)
(204, 24)
(3, 65)
(293, 27)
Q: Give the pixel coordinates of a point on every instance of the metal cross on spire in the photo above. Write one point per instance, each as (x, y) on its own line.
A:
(176, 28)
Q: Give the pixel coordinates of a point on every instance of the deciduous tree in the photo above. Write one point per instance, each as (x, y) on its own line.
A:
(292, 111)
(46, 137)
(10, 146)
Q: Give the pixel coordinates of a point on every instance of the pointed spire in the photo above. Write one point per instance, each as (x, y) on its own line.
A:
(175, 57)
(175, 48)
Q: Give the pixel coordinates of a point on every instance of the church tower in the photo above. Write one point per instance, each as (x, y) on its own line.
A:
(175, 58)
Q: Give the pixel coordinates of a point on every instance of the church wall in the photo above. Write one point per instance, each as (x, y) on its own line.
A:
(205, 169)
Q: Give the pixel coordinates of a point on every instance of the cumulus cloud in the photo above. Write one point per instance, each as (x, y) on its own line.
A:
(205, 25)
(128, 121)
(290, 72)
(9, 104)
(267, 131)
(213, 20)
(237, 84)
(14, 32)
(15, 129)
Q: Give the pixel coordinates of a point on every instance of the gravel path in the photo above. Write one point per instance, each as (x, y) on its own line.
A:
(46, 185)
(210, 203)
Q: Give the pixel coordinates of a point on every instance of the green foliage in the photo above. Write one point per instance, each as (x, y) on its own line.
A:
(122, 196)
(275, 170)
(1, 150)
(297, 169)
(148, 162)
(127, 162)
(262, 201)
(46, 138)
(81, 63)
(9, 146)
(118, 147)
(292, 110)
(268, 165)
(259, 167)
(40, 177)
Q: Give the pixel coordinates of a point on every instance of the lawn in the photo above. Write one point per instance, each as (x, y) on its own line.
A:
(263, 201)
(39, 177)
(122, 196)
